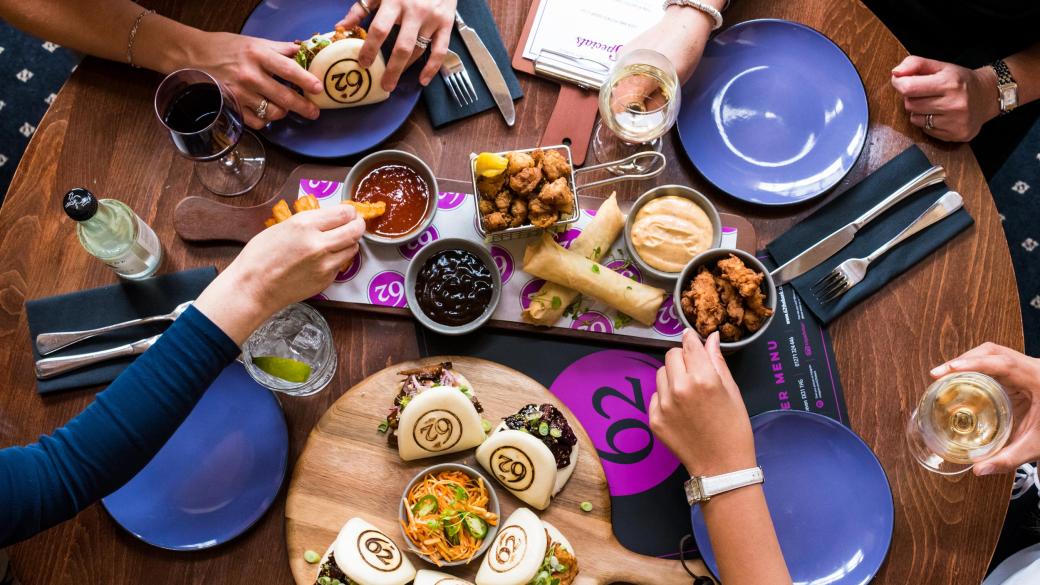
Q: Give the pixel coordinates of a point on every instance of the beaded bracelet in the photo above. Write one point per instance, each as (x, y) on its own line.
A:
(133, 35)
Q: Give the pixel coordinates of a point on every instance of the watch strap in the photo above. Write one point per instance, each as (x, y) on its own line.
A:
(704, 7)
(1004, 76)
(702, 489)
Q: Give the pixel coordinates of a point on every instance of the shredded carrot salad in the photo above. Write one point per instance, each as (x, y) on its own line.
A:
(447, 516)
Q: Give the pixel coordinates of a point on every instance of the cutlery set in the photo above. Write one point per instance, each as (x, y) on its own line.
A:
(457, 79)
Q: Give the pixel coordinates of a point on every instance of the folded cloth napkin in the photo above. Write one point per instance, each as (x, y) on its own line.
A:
(850, 205)
(440, 104)
(104, 306)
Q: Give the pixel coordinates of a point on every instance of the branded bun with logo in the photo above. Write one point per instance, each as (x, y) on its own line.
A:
(428, 577)
(532, 454)
(333, 59)
(528, 551)
(364, 555)
(434, 413)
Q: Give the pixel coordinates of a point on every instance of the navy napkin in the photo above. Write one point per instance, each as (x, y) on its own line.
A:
(440, 104)
(103, 306)
(850, 205)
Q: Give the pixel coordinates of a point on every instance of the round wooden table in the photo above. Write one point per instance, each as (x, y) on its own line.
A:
(102, 133)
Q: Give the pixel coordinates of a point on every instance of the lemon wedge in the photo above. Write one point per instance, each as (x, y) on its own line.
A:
(489, 164)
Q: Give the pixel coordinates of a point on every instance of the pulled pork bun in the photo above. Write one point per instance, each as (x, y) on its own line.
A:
(527, 551)
(428, 577)
(434, 413)
(333, 59)
(364, 555)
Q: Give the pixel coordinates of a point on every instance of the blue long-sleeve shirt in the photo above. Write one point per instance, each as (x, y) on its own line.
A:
(50, 481)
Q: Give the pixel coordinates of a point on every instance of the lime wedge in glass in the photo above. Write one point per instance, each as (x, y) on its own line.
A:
(287, 369)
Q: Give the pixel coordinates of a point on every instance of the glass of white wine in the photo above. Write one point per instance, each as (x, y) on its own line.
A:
(962, 419)
(638, 104)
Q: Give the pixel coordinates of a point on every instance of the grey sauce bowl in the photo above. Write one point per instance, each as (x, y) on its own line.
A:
(369, 163)
(679, 191)
(710, 257)
(416, 265)
(491, 507)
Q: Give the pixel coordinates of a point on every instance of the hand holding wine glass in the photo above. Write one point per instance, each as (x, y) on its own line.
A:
(1019, 374)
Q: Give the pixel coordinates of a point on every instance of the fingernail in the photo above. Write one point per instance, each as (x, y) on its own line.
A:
(316, 88)
(984, 469)
(938, 370)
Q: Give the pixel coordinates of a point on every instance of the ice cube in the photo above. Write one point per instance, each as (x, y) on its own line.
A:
(309, 337)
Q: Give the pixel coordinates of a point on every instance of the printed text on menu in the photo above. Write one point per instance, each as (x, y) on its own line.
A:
(590, 29)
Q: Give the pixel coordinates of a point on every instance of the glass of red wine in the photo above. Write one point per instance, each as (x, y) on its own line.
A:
(205, 124)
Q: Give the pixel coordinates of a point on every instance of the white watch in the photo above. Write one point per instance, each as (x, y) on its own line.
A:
(704, 7)
(701, 489)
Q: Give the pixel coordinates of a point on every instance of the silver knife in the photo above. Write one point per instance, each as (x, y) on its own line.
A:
(52, 366)
(833, 243)
(488, 70)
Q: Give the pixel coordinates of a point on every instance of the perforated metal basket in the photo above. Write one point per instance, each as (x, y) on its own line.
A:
(626, 169)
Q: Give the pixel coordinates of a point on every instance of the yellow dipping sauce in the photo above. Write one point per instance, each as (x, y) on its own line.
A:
(669, 231)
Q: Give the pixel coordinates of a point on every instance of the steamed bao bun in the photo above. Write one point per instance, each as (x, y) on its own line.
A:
(367, 556)
(525, 466)
(428, 577)
(345, 84)
(523, 553)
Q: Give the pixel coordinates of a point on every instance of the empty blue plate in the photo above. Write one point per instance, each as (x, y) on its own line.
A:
(216, 476)
(335, 133)
(828, 495)
(775, 114)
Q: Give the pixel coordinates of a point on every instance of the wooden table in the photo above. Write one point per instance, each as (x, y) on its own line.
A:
(101, 133)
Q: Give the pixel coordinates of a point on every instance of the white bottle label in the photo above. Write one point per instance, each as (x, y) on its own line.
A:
(143, 254)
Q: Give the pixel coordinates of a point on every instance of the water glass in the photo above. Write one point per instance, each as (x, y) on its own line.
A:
(297, 332)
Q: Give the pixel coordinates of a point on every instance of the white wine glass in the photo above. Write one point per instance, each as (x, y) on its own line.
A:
(638, 104)
(963, 418)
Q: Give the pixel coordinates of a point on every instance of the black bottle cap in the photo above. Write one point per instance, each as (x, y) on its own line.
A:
(80, 204)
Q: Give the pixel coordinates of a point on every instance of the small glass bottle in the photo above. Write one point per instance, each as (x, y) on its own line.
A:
(114, 234)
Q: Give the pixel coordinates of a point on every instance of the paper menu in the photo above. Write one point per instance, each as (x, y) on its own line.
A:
(592, 32)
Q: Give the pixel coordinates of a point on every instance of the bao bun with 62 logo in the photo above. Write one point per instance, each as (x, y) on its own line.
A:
(428, 577)
(434, 413)
(333, 59)
(532, 454)
(364, 555)
(528, 551)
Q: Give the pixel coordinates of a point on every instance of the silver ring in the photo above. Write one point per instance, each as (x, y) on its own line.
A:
(364, 6)
(422, 42)
(928, 125)
(261, 110)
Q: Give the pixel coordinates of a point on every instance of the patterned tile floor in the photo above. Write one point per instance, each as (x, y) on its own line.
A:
(32, 72)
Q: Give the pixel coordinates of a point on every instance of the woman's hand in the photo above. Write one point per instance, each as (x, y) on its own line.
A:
(698, 412)
(286, 263)
(1019, 374)
(430, 19)
(247, 66)
(960, 100)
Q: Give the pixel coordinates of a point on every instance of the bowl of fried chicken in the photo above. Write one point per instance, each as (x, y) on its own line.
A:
(728, 291)
(522, 193)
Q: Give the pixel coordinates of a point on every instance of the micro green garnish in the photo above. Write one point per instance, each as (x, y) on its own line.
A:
(324, 580)
(585, 506)
(621, 320)
(384, 426)
(311, 557)
(595, 268)
(543, 428)
(486, 425)
(595, 253)
(555, 433)
(556, 302)
(629, 287)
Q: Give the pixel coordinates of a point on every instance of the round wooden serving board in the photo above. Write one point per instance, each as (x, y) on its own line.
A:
(347, 469)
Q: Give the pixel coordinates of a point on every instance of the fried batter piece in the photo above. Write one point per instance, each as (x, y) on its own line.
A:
(554, 165)
(702, 301)
(526, 181)
(745, 279)
(727, 298)
(497, 221)
(486, 206)
(519, 211)
(731, 300)
(503, 200)
(518, 161)
(491, 185)
(730, 332)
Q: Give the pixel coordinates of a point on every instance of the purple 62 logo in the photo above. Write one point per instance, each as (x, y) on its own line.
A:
(668, 322)
(529, 290)
(504, 262)
(351, 271)
(565, 238)
(593, 321)
(448, 200)
(412, 248)
(387, 289)
(320, 189)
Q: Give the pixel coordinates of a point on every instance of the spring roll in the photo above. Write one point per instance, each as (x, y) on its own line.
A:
(549, 303)
(548, 260)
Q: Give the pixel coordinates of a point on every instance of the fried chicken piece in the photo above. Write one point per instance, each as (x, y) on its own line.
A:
(497, 221)
(732, 300)
(503, 200)
(518, 210)
(491, 185)
(545, 219)
(757, 312)
(486, 206)
(730, 332)
(745, 279)
(554, 165)
(701, 303)
(566, 559)
(557, 194)
(526, 181)
(518, 161)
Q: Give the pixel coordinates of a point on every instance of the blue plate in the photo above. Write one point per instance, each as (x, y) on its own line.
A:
(775, 114)
(828, 495)
(216, 476)
(336, 133)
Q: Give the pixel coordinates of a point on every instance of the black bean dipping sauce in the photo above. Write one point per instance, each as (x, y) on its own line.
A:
(454, 287)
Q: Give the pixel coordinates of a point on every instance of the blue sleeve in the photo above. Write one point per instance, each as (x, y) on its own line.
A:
(50, 481)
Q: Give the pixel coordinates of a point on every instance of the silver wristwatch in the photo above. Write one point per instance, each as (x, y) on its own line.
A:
(1007, 89)
(701, 489)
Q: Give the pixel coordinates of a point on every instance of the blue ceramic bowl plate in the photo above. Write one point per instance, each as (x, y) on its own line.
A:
(336, 133)
(775, 114)
(829, 498)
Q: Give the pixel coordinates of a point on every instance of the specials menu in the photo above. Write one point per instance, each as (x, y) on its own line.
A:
(790, 367)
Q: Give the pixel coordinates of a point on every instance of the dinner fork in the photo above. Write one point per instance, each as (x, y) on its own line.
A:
(47, 343)
(852, 271)
(455, 76)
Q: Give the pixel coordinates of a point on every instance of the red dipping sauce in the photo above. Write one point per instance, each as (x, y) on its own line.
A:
(405, 192)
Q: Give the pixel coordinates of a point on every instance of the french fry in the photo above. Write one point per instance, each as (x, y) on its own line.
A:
(305, 203)
(280, 211)
(368, 211)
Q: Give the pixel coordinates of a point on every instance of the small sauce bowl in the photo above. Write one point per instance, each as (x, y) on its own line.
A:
(419, 261)
(678, 191)
(391, 157)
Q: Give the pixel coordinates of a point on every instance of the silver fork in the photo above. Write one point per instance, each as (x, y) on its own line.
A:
(852, 271)
(47, 343)
(455, 76)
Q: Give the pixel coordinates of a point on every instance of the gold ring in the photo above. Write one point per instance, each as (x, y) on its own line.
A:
(928, 125)
(261, 110)
(364, 6)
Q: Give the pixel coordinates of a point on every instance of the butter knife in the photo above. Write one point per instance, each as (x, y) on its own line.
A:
(488, 70)
(52, 366)
(832, 244)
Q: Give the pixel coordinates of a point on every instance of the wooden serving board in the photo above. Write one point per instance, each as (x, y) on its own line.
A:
(347, 469)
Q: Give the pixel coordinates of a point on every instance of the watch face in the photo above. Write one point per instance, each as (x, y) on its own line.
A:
(1008, 96)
